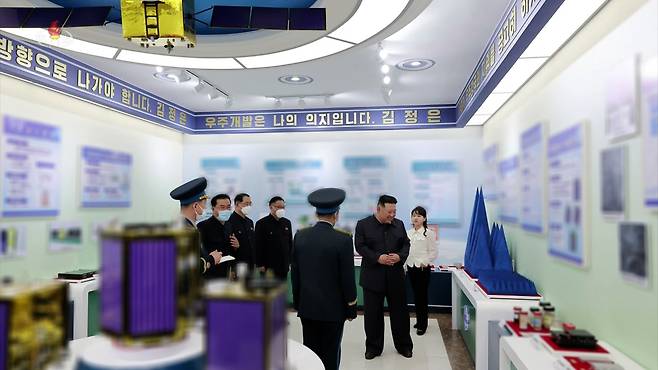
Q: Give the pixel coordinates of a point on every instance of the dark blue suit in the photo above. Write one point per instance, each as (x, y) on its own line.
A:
(323, 285)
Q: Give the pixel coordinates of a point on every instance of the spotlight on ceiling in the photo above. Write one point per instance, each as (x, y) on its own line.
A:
(386, 80)
(385, 69)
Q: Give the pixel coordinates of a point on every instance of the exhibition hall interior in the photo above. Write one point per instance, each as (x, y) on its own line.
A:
(328, 184)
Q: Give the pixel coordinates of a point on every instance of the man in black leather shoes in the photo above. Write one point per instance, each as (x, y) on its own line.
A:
(381, 239)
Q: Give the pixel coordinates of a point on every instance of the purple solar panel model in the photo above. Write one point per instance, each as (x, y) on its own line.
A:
(246, 332)
(4, 334)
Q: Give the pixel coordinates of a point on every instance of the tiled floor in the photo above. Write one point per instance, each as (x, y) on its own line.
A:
(429, 349)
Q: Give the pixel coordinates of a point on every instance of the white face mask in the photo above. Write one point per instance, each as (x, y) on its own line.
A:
(280, 213)
(224, 215)
(246, 210)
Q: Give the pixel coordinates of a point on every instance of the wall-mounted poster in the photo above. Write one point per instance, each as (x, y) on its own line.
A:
(649, 114)
(365, 180)
(64, 236)
(105, 178)
(621, 101)
(533, 175)
(633, 252)
(613, 188)
(223, 174)
(566, 212)
(508, 190)
(12, 241)
(30, 168)
(293, 179)
(490, 181)
(436, 186)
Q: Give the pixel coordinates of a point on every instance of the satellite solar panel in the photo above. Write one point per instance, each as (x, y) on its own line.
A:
(308, 19)
(230, 17)
(152, 287)
(112, 286)
(13, 17)
(88, 16)
(269, 18)
(4, 335)
(44, 17)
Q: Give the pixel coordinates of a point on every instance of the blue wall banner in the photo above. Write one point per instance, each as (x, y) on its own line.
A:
(52, 69)
(47, 67)
(378, 118)
(521, 22)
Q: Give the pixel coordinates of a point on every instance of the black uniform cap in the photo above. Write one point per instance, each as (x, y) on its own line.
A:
(190, 192)
(326, 201)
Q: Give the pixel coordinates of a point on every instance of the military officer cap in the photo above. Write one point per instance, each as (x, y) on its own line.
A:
(326, 201)
(190, 192)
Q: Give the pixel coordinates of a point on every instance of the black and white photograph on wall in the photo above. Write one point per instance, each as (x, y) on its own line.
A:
(613, 189)
(633, 252)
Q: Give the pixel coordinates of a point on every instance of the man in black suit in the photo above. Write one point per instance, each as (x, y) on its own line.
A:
(274, 240)
(216, 234)
(243, 229)
(323, 287)
(382, 241)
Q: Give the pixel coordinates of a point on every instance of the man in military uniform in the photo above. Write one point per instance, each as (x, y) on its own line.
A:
(192, 197)
(323, 286)
(274, 240)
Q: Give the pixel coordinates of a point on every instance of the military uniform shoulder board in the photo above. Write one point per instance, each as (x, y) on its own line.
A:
(343, 231)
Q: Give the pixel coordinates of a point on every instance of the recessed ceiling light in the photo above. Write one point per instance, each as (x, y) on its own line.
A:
(387, 80)
(296, 79)
(172, 75)
(383, 54)
(385, 69)
(415, 64)
(159, 69)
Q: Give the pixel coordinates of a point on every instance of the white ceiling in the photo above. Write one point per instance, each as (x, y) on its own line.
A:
(451, 32)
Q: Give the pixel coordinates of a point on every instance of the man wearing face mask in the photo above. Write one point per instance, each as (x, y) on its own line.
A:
(216, 233)
(274, 240)
(242, 227)
(192, 197)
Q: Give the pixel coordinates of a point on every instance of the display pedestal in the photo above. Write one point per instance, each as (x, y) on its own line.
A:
(472, 310)
(79, 295)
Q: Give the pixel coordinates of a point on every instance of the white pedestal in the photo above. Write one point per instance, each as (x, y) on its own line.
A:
(486, 310)
(79, 294)
(526, 353)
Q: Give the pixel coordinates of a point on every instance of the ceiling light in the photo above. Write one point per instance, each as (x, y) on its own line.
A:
(316, 49)
(295, 79)
(415, 64)
(478, 120)
(159, 69)
(568, 19)
(386, 80)
(202, 85)
(370, 18)
(389, 92)
(64, 42)
(180, 62)
(493, 103)
(385, 69)
(520, 72)
(383, 54)
(172, 75)
(213, 94)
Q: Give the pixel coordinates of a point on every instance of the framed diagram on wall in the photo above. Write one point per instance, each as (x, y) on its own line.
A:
(105, 178)
(30, 166)
(649, 114)
(533, 176)
(508, 190)
(621, 101)
(490, 181)
(436, 186)
(613, 182)
(567, 195)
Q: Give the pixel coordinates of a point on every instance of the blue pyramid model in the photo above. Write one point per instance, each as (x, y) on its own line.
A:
(501, 256)
(478, 248)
